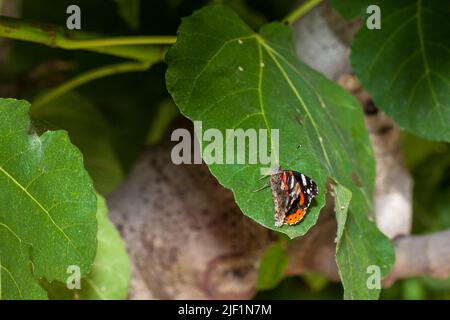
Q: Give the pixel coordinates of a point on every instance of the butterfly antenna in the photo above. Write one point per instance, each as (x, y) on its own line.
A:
(262, 188)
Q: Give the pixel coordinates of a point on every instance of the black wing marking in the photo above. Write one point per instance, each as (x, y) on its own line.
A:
(308, 188)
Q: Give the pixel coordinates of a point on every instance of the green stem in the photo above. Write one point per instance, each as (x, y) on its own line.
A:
(87, 77)
(136, 47)
(116, 41)
(301, 10)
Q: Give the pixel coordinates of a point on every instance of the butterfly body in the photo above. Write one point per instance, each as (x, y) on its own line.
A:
(292, 193)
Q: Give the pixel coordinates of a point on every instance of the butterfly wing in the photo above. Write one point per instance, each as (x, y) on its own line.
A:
(295, 217)
(279, 197)
(292, 188)
(301, 191)
(308, 188)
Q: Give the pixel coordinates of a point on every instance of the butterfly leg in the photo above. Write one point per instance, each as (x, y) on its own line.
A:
(262, 188)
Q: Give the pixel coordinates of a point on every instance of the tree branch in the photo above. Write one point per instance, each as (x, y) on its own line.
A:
(422, 255)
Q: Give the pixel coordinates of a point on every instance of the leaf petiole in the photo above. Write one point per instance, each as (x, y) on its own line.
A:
(300, 11)
(134, 47)
(90, 76)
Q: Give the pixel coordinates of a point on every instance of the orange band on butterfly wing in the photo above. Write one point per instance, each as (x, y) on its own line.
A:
(285, 181)
(295, 217)
(302, 198)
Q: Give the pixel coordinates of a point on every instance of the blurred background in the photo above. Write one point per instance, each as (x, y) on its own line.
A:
(112, 119)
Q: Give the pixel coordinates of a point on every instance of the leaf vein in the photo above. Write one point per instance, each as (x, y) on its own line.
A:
(40, 206)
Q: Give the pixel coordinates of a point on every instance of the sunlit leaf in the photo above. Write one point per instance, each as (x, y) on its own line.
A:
(47, 205)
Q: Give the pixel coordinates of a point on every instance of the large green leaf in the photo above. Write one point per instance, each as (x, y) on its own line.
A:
(109, 278)
(227, 76)
(405, 65)
(359, 244)
(16, 278)
(47, 205)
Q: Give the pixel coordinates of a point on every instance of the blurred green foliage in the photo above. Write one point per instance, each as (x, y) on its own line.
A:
(135, 109)
(272, 266)
(429, 164)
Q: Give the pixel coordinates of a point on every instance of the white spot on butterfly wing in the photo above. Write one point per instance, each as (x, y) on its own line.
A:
(303, 179)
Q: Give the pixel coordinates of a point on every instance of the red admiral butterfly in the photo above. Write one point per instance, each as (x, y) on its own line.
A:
(292, 193)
